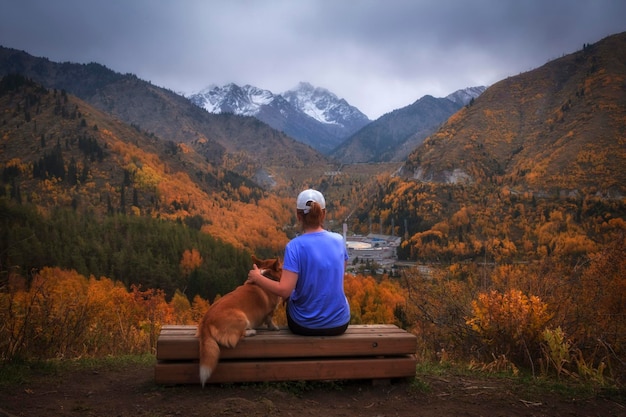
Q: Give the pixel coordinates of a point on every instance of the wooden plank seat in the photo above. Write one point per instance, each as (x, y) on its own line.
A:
(363, 352)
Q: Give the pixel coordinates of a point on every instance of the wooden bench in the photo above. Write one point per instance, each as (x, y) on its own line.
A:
(363, 352)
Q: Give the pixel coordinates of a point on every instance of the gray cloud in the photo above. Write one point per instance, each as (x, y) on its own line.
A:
(378, 55)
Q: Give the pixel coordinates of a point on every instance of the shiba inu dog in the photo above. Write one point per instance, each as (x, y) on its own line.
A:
(235, 316)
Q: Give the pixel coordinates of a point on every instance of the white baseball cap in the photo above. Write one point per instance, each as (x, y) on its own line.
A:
(307, 196)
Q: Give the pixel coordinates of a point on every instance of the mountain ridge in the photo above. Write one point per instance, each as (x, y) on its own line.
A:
(396, 134)
(557, 127)
(311, 115)
(319, 118)
(244, 144)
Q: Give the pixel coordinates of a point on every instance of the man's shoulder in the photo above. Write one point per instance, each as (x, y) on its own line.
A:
(313, 238)
(335, 235)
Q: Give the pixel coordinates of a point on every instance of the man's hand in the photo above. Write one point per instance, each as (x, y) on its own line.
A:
(254, 274)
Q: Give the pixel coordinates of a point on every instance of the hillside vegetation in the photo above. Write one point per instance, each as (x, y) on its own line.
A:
(556, 129)
(59, 151)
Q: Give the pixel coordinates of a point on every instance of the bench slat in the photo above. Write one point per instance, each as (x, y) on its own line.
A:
(181, 344)
(179, 329)
(289, 370)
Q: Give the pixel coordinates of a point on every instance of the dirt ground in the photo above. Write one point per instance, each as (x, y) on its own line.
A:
(132, 392)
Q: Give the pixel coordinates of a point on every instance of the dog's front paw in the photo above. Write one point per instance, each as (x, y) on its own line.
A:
(250, 332)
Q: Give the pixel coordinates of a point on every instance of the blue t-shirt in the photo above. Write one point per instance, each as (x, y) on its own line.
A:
(318, 300)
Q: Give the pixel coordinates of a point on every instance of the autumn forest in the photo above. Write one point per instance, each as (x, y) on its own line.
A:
(108, 229)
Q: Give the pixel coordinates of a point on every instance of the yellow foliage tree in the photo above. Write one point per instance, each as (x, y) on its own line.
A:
(181, 309)
(199, 306)
(190, 261)
(372, 302)
(509, 323)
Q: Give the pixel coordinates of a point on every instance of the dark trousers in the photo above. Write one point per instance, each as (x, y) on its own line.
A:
(304, 331)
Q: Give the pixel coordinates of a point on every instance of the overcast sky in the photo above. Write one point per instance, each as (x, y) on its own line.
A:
(379, 55)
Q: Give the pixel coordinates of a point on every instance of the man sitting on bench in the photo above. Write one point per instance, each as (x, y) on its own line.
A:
(313, 271)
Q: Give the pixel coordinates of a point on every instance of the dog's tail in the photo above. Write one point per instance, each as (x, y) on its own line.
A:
(209, 356)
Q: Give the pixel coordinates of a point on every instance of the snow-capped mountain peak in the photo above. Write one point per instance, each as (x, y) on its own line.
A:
(322, 105)
(464, 96)
(231, 98)
(310, 100)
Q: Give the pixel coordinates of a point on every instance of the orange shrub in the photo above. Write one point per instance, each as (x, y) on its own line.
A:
(509, 323)
(372, 302)
(64, 314)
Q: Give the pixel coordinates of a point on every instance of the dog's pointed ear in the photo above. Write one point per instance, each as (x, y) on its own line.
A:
(255, 260)
(276, 265)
